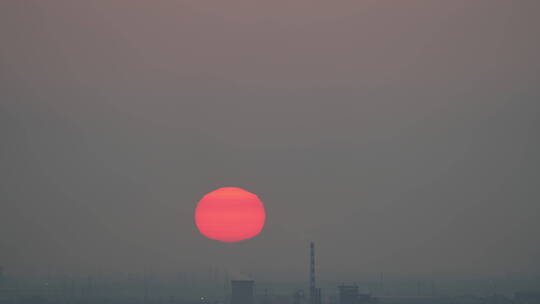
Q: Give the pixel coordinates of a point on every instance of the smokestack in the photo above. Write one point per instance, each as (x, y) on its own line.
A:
(312, 286)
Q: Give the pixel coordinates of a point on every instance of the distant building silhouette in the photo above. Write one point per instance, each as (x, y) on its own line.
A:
(527, 297)
(242, 291)
(348, 294)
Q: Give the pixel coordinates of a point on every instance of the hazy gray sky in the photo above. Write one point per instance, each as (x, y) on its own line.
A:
(401, 136)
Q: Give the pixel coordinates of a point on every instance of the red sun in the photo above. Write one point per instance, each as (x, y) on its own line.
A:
(230, 215)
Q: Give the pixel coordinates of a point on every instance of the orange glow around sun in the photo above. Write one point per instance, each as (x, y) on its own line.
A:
(230, 215)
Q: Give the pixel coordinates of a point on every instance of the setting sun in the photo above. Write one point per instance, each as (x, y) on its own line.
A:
(230, 214)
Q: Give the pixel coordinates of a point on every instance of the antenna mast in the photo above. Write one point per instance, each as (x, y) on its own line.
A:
(312, 286)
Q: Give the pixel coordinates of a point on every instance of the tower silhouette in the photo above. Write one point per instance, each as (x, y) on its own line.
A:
(314, 292)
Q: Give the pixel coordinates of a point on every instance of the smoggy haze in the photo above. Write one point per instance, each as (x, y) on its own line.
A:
(399, 135)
